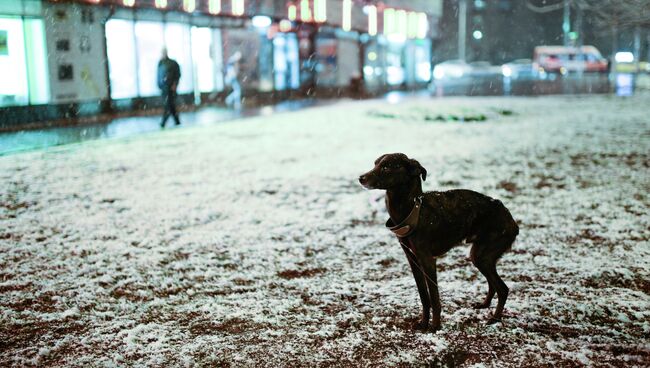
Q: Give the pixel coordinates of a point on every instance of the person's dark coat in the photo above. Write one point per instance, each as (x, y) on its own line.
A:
(169, 73)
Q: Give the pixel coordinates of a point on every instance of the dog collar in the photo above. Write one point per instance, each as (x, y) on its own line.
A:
(410, 223)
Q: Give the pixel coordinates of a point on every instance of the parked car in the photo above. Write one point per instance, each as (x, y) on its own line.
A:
(483, 69)
(519, 69)
(567, 59)
(451, 69)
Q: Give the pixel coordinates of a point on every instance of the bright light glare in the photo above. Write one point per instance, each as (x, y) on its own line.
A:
(438, 73)
(372, 56)
(285, 25)
(624, 57)
(368, 70)
(506, 71)
(477, 35)
(261, 21)
(423, 71)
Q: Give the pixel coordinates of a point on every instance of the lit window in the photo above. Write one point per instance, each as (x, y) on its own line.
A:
(401, 23)
(189, 5)
(214, 6)
(320, 10)
(389, 21)
(423, 25)
(413, 22)
(291, 12)
(122, 64)
(128, 2)
(161, 3)
(238, 7)
(305, 11)
(347, 15)
(372, 20)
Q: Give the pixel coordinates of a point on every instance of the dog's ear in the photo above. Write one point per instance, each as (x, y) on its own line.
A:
(379, 159)
(417, 169)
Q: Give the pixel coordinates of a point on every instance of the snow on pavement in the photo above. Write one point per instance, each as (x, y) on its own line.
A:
(251, 243)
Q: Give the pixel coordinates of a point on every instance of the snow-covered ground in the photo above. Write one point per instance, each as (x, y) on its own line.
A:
(251, 243)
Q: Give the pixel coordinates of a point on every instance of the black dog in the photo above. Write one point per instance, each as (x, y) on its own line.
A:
(429, 224)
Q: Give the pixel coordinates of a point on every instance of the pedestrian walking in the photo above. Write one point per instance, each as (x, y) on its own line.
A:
(232, 79)
(169, 73)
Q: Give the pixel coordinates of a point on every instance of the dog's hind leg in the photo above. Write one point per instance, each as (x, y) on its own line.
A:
(482, 265)
(420, 282)
(486, 257)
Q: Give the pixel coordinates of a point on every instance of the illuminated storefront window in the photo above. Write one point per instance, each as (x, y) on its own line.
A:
(238, 7)
(347, 15)
(389, 21)
(149, 44)
(320, 10)
(372, 20)
(401, 24)
(412, 24)
(23, 62)
(305, 11)
(214, 6)
(423, 26)
(189, 5)
(292, 12)
(120, 48)
(286, 64)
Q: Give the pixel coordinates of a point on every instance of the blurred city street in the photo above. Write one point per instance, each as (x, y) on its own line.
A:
(181, 183)
(252, 244)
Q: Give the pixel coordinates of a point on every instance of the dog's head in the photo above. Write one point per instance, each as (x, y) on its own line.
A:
(392, 170)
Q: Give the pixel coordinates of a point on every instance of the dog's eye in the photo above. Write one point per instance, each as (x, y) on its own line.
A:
(385, 168)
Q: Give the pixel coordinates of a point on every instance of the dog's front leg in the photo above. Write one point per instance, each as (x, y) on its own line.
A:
(429, 267)
(420, 282)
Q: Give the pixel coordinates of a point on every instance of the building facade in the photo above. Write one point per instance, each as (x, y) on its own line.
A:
(67, 58)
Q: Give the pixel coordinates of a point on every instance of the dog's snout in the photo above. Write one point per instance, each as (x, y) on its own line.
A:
(362, 179)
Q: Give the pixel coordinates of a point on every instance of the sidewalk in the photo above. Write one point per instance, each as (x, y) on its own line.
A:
(121, 127)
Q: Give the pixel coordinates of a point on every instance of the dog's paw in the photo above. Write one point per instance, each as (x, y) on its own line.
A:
(493, 320)
(481, 305)
(420, 325)
(434, 328)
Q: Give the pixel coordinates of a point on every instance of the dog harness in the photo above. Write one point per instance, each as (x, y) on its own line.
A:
(410, 223)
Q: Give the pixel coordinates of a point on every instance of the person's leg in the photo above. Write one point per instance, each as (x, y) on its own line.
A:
(167, 112)
(172, 107)
(236, 90)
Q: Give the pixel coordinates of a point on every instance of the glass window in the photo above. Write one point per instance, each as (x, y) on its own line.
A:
(150, 43)
(120, 47)
(201, 47)
(13, 71)
(37, 70)
(178, 42)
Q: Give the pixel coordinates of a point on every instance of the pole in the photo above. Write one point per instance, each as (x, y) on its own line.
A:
(462, 28)
(637, 47)
(566, 22)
